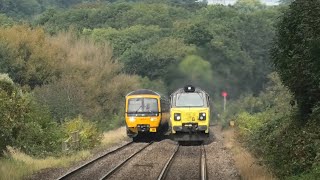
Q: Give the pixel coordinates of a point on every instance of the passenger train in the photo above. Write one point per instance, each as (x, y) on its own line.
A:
(146, 112)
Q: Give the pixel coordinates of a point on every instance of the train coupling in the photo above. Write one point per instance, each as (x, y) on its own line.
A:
(143, 127)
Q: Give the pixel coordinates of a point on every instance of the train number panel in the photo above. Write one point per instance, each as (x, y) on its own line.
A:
(189, 114)
(146, 112)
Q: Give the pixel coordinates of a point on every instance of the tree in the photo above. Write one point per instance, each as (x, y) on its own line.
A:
(196, 71)
(296, 50)
(286, 2)
(27, 56)
(23, 123)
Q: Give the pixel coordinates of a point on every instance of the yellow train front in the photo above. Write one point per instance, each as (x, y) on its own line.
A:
(146, 112)
(189, 114)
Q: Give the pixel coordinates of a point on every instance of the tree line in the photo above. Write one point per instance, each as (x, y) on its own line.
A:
(83, 58)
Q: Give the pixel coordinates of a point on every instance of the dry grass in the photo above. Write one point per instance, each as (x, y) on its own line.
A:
(16, 164)
(245, 162)
(113, 136)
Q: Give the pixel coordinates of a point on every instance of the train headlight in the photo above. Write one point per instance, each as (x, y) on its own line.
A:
(153, 119)
(177, 116)
(132, 119)
(202, 116)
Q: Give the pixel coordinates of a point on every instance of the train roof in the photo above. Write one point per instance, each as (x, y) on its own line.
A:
(143, 91)
(182, 90)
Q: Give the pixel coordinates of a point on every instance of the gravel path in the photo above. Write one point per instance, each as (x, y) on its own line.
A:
(220, 164)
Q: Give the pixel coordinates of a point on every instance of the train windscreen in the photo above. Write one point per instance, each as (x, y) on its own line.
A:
(189, 100)
(143, 105)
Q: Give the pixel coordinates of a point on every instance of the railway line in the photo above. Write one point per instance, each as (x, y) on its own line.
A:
(123, 162)
(108, 169)
(202, 168)
(88, 170)
(164, 159)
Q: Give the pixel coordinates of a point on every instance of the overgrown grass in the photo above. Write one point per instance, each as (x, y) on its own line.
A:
(16, 164)
(113, 136)
(314, 174)
(248, 166)
(290, 148)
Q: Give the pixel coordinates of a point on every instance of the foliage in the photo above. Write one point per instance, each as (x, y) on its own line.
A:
(27, 56)
(151, 38)
(124, 39)
(196, 71)
(20, 8)
(286, 2)
(295, 53)
(23, 123)
(152, 58)
(238, 49)
(116, 15)
(313, 174)
(65, 98)
(116, 46)
(6, 21)
(89, 136)
(271, 131)
(156, 85)
(91, 82)
(16, 165)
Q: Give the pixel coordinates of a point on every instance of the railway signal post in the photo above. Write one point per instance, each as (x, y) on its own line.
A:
(224, 94)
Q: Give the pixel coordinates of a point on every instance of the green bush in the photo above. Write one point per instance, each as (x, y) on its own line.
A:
(24, 124)
(40, 135)
(248, 124)
(290, 148)
(89, 135)
(311, 175)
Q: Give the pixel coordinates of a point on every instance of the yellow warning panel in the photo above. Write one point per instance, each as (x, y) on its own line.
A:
(153, 129)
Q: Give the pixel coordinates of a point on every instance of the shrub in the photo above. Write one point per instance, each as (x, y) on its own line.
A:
(89, 136)
(290, 148)
(23, 123)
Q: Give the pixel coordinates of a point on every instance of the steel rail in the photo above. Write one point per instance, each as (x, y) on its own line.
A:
(72, 172)
(108, 174)
(166, 167)
(203, 164)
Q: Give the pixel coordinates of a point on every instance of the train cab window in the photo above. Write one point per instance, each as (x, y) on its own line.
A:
(142, 105)
(189, 99)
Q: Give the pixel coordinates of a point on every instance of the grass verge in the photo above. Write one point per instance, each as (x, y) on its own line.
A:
(248, 166)
(16, 165)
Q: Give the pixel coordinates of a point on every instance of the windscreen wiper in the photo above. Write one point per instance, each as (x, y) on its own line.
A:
(139, 108)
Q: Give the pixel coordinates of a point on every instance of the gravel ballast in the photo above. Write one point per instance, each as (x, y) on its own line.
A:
(149, 163)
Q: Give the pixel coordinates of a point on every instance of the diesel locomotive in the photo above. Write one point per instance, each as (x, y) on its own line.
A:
(189, 114)
(146, 112)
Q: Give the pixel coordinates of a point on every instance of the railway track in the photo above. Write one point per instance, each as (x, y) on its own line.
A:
(202, 169)
(73, 172)
(109, 174)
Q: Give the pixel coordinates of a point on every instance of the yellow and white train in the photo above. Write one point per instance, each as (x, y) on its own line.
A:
(189, 114)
